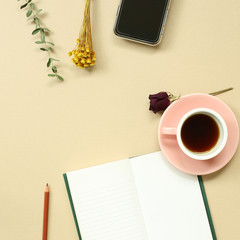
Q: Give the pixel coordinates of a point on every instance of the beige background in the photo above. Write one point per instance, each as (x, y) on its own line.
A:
(48, 127)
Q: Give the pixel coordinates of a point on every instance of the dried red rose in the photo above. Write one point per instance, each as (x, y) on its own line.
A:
(160, 101)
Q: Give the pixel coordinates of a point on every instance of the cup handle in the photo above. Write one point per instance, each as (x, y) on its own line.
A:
(169, 131)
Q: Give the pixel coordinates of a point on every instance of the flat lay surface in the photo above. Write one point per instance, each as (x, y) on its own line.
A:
(98, 115)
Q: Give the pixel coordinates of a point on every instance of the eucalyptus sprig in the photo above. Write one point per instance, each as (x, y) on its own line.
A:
(33, 15)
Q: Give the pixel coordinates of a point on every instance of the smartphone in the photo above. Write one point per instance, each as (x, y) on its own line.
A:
(141, 20)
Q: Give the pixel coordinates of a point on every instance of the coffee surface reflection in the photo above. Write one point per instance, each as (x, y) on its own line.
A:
(200, 133)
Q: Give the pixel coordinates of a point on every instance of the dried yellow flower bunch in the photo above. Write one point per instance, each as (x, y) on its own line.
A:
(83, 55)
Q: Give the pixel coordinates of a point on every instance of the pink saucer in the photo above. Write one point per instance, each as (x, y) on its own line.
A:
(169, 145)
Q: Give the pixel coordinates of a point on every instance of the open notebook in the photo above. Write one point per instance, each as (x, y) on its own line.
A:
(140, 198)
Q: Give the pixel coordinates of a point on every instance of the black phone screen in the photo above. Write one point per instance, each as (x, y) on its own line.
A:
(141, 19)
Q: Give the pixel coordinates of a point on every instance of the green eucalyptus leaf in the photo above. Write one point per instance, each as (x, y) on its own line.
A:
(29, 12)
(54, 69)
(53, 59)
(59, 77)
(30, 18)
(38, 11)
(52, 75)
(31, 5)
(49, 62)
(51, 43)
(35, 15)
(39, 42)
(36, 20)
(42, 35)
(35, 31)
(43, 49)
(29, 1)
(46, 30)
(23, 6)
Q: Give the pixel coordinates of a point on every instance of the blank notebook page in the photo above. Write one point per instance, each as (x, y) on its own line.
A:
(171, 201)
(106, 202)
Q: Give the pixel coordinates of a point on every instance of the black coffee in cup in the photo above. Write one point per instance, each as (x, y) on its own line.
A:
(200, 133)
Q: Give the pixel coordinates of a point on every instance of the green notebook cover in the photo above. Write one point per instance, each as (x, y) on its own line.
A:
(207, 208)
(72, 206)
(202, 191)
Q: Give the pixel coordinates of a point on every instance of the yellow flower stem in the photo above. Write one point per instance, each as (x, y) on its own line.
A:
(83, 54)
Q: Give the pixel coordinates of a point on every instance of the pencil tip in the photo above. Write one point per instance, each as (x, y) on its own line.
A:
(47, 184)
